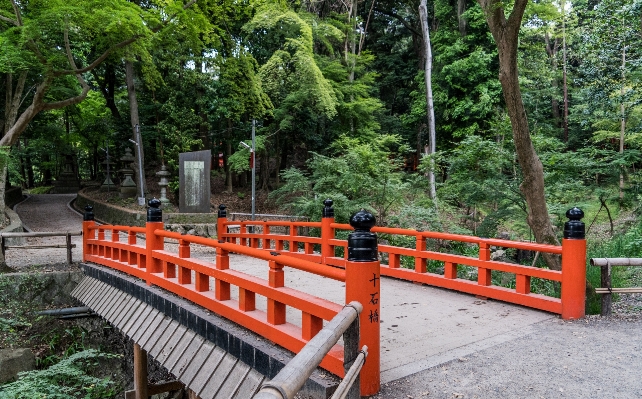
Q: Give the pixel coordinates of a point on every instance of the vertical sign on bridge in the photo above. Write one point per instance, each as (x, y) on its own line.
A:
(363, 284)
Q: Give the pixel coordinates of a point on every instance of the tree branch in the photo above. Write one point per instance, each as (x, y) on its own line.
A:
(98, 60)
(70, 101)
(9, 20)
(17, 11)
(70, 57)
(362, 39)
(400, 19)
(495, 17)
(168, 20)
(122, 44)
(515, 18)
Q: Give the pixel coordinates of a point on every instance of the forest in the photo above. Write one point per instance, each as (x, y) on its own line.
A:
(479, 117)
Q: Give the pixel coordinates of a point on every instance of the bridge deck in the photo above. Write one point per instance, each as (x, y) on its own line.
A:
(421, 326)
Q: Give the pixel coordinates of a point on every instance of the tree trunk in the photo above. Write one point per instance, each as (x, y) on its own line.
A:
(29, 169)
(133, 111)
(430, 111)
(505, 32)
(12, 100)
(622, 121)
(564, 77)
(203, 133)
(228, 152)
(461, 8)
(351, 61)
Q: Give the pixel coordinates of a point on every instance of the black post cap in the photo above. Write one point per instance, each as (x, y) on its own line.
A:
(154, 214)
(362, 244)
(222, 211)
(574, 228)
(89, 213)
(328, 210)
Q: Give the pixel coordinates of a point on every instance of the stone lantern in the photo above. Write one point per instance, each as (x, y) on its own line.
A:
(164, 182)
(108, 184)
(128, 188)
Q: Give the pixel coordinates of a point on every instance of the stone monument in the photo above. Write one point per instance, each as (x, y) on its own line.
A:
(194, 181)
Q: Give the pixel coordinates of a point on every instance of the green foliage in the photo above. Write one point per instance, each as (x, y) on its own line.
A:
(40, 190)
(179, 130)
(240, 160)
(360, 175)
(291, 76)
(67, 379)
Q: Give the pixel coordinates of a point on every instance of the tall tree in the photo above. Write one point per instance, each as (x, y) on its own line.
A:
(505, 31)
(430, 108)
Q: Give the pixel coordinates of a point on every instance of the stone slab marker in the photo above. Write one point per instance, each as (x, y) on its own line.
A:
(194, 179)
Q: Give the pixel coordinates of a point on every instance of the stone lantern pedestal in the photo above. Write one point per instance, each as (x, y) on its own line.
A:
(128, 188)
(108, 184)
(164, 182)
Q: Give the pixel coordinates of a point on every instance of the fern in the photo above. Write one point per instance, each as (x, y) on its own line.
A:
(67, 379)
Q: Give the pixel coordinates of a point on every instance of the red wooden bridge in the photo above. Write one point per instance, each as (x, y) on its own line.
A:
(356, 262)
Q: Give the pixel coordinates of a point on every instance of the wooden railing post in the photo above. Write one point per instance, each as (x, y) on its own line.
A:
(574, 266)
(327, 232)
(363, 285)
(221, 228)
(152, 241)
(87, 232)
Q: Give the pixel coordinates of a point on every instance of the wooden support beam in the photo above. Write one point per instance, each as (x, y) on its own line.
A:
(140, 372)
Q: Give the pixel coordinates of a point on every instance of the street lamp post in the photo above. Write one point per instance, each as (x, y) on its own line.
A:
(252, 165)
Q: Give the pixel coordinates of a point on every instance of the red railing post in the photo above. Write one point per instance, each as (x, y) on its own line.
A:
(483, 274)
(184, 274)
(276, 279)
(222, 288)
(132, 257)
(115, 237)
(87, 232)
(152, 241)
(420, 263)
(221, 228)
(574, 266)
(363, 285)
(327, 231)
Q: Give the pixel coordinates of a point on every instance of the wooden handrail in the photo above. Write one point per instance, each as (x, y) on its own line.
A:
(606, 289)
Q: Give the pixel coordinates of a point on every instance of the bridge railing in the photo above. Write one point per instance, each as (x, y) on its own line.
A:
(323, 249)
(209, 284)
(287, 383)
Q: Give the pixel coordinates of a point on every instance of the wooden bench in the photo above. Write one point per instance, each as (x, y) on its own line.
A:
(606, 290)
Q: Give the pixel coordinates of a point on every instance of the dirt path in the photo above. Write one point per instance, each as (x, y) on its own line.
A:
(46, 212)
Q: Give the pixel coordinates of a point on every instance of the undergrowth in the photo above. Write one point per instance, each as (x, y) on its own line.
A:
(70, 378)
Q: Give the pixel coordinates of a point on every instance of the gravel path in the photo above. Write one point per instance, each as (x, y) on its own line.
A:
(591, 358)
